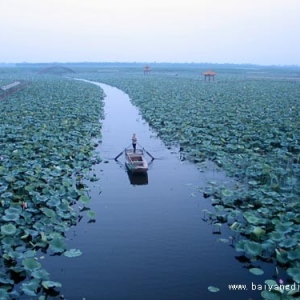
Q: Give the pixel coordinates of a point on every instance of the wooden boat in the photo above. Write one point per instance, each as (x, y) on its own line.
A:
(135, 161)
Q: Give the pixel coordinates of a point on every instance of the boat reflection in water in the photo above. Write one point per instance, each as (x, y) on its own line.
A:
(138, 178)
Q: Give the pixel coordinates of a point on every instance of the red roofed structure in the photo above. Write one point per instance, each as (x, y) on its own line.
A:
(209, 74)
(147, 70)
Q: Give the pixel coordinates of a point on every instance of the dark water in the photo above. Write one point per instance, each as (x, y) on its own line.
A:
(149, 240)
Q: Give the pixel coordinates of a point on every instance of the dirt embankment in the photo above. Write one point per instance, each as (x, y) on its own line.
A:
(12, 88)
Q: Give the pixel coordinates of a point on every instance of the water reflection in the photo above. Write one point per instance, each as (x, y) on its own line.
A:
(138, 179)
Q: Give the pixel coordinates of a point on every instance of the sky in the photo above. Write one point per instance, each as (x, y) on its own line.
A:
(264, 32)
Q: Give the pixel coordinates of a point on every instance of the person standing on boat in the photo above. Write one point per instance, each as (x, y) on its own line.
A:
(134, 141)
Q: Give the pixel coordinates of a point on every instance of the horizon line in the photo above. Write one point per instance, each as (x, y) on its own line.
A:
(145, 62)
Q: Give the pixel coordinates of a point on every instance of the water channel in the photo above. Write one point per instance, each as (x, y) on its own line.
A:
(149, 240)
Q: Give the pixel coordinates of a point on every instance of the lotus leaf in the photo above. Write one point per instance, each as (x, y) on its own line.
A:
(256, 271)
(13, 210)
(290, 215)
(31, 264)
(29, 253)
(91, 214)
(6, 195)
(41, 198)
(64, 216)
(270, 295)
(15, 255)
(296, 235)
(227, 193)
(5, 203)
(31, 232)
(9, 241)
(268, 247)
(31, 287)
(50, 284)
(29, 172)
(258, 232)
(18, 184)
(240, 246)
(72, 253)
(3, 188)
(252, 219)
(57, 245)
(288, 242)
(10, 217)
(14, 294)
(294, 273)
(5, 280)
(213, 289)
(225, 241)
(54, 202)
(6, 255)
(252, 248)
(294, 254)
(39, 226)
(8, 229)
(296, 227)
(284, 228)
(29, 187)
(271, 282)
(264, 211)
(48, 212)
(267, 201)
(219, 208)
(277, 236)
(9, 178)
(84, 199)
(40, 274)
(55, 235)
(282, 257)
(236, 226)
(4, 294)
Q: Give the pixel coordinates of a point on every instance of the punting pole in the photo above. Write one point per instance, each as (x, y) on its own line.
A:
(116, 158)
(147, 152)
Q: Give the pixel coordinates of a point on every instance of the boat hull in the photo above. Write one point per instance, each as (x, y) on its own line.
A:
(135, 161)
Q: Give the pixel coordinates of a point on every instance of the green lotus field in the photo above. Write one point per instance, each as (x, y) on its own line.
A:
(247, 121)
(47, 141)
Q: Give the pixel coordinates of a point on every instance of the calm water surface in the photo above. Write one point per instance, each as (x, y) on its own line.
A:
(149, 240)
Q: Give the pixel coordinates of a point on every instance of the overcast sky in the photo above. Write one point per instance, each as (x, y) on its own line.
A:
(263, 32)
